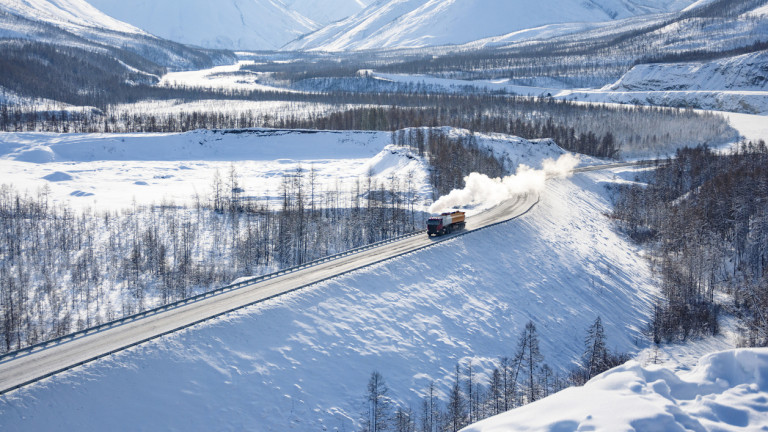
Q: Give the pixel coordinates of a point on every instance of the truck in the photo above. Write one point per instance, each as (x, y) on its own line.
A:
(445, 223)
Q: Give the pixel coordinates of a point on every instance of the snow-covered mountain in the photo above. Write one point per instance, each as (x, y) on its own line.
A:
(417, 23)
(230, 24)
(77, 24)
(73, 15)
(326, 12)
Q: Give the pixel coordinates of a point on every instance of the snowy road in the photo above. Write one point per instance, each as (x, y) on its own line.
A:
(25, 368)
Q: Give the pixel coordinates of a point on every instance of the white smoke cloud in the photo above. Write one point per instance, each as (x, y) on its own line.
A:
(482, 192)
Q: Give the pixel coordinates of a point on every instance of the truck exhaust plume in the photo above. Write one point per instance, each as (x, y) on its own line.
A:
(482, 192)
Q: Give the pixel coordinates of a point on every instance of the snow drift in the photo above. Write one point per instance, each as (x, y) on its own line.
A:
(727, 391)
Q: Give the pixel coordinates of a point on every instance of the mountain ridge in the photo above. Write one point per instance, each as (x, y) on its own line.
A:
(230, 24)
(420, 23)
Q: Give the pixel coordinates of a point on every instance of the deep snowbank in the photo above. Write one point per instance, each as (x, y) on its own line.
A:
(727, 391)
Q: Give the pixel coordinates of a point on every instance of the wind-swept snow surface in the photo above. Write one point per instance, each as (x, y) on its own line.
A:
(418, 23)
(77, 24)
(727, 391)
(302, 361)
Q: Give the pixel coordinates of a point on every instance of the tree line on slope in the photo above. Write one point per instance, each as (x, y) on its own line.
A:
(451, 159)
(596, 130)
(706, 216)
(82, 72)
(514, 381)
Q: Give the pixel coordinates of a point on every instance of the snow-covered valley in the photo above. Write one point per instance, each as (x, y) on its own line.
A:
(232, 165)
(112, 171)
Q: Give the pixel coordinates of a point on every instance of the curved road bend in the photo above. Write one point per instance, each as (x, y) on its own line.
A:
(26, 368)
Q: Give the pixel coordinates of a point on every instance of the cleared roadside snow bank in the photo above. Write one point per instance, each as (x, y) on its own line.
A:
(727, 391)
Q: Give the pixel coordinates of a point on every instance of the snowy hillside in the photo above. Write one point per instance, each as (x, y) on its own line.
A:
(744, 72)
(72, 15)
(77, 24)
(727, 391)
(326, 12)
(417, 23)
(228, 24)
(301, 362)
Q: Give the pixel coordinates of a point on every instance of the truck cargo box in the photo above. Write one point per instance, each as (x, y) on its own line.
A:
(445, 223)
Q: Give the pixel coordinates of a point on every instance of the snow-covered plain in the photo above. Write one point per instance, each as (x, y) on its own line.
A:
(301, 362)
(726, 391)
(112, 171)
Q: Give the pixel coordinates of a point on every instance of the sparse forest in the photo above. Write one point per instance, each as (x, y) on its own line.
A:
(705, 215)
(451, 159)
(471, 396)
(62, 270)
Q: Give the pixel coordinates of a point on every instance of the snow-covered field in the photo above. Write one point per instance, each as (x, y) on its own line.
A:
(726, 391)
(112, 171)
(301, 362)
(735, 84)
